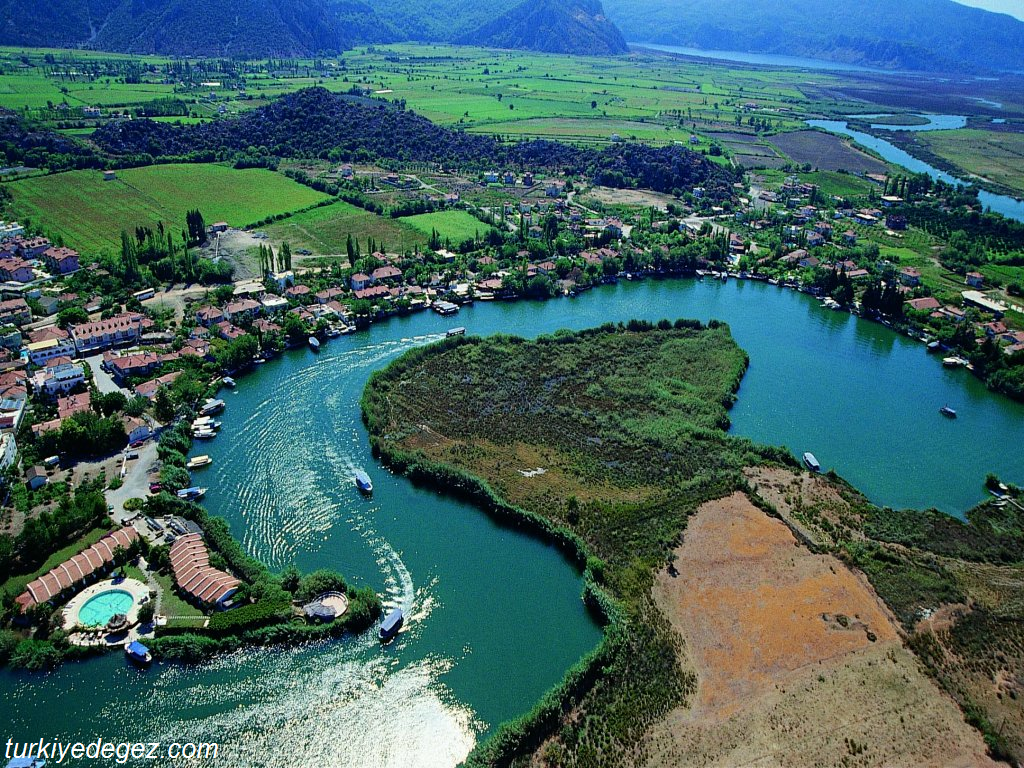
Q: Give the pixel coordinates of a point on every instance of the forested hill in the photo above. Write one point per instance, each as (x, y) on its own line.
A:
(555, 26)
(261, 28)
(909, 34)
(315, 123)
(178, 27)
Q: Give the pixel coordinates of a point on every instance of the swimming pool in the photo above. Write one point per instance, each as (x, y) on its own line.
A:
(98, 610)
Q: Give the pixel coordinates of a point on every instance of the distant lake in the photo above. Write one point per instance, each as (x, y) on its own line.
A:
(767, 59)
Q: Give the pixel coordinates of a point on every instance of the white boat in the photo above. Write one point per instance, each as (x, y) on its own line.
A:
(204, 434)
(199, 461)
(191, 494)
(812, 462)
(314, 343)
(363, 482)
(227, 381)
(212, 406)
(952, 362)
(460, 331)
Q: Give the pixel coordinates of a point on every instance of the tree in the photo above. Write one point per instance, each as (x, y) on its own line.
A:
(163, 406)
(146, 612)
(71, 316)
(286, 256)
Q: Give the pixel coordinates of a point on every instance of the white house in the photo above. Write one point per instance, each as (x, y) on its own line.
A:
(41, 352)
(137, 429)
(60, 378)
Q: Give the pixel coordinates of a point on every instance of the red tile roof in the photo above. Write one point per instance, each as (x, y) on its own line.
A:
(76, 569)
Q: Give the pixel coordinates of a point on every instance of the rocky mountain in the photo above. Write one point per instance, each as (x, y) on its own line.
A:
(555, 26)
(261, 28)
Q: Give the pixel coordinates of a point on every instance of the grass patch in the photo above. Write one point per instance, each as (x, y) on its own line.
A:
(454, 225)
(171, 604)
(325, 230)
(89, 213)
(995, 156)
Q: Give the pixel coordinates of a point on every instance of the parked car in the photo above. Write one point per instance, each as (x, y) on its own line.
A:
(136, 444)
(155, 487)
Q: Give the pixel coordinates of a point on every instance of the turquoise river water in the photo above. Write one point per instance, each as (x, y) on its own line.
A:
(496, 616)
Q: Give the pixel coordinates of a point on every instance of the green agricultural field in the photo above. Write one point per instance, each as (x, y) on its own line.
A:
(454, 225)
(325, 231)
(997, 157)
(89, 213)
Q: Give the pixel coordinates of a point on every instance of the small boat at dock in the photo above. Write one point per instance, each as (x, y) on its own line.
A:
(314, 343)
(211, 407)
(227, 381)
(812, 462)
(948, 412)
(199, 461)
(445, 308)
(203, 434)
(191, 494)
(363, 482)
(390, 626)
(138, 653)
(953, 362)
(460, 331)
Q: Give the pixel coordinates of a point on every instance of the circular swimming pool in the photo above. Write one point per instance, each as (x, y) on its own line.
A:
(99, 609)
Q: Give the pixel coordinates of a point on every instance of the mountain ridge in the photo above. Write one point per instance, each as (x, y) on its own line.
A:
(553, 26)
(927, 35)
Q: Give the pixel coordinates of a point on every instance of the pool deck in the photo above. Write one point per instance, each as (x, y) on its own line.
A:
(135, 588)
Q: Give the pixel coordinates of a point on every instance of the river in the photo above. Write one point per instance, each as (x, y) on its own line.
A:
(1009, 207)
(496, 616)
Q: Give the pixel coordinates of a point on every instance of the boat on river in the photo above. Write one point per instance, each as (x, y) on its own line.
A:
(227, 381)
(191, 494)
(390, 626)
(203, 434)
(138, 653)
(812, 462)
(948, 412)
(314, 343)
(953, 362)
(460, 331)
(198, 462)
(363, 482)
(211, 407)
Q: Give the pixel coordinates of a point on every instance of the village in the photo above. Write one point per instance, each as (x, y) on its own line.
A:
(109, 389)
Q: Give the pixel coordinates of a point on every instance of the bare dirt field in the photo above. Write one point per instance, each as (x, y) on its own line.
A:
(610, 196)
(826, 152)
(798, 661)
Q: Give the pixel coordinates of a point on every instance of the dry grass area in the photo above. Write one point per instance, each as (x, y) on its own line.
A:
(808, 502)
(511, 471)
(798, 661)
(631, 197)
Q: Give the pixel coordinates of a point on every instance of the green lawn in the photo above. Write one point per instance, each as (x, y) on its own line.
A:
(454, 225)
(15, 585)
(89, 213)
(171, 604)
(325, 230)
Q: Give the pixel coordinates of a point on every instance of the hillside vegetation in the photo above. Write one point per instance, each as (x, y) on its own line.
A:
(315, 123)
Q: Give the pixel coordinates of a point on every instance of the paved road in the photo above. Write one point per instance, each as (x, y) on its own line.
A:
(136, 481)
(104, 383)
